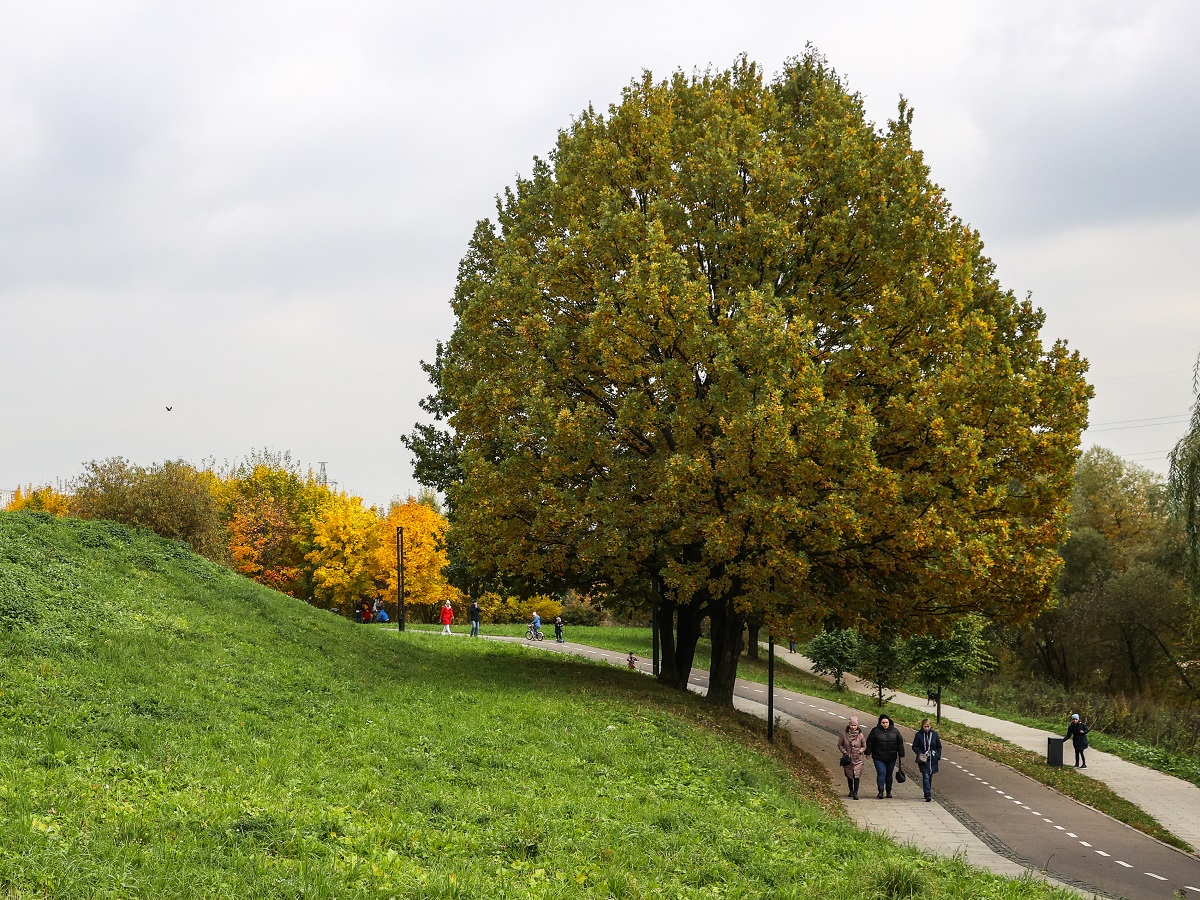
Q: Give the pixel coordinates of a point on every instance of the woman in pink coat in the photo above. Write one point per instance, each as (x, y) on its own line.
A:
(447, 617)
(853, 745)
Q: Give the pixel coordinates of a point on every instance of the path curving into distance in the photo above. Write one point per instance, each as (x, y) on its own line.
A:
(999, 819)
(1172, 802)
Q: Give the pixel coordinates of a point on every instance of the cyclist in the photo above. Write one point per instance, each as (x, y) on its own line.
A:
(536, 625)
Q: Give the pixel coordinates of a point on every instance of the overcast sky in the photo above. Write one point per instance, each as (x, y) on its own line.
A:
(253, 212)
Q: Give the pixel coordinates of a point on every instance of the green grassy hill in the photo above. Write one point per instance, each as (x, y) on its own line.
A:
(169, 729)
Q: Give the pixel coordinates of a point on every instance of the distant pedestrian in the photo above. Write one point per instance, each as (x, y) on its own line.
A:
(927, 746)
(853, 744)
(365, 615)
(631, 662)
(476, 615)
(792, 644)
(1077, 731)
(447, 617)
(885, 746)
(558, 629)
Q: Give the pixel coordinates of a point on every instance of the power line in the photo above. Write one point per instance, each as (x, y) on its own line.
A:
(1176, 420)
(1128, 421)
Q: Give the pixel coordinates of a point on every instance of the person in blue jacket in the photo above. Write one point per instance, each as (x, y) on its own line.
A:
(927, 746)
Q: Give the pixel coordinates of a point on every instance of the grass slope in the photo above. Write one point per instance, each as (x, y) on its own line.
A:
(172, 730)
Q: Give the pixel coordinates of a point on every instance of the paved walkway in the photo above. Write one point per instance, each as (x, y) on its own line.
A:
(1172, 802)
(926, 826)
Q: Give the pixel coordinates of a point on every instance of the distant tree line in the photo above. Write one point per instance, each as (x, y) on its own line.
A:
(272, 521)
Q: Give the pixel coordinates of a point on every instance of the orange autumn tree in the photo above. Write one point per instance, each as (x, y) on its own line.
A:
(271, 508)
(425, 587)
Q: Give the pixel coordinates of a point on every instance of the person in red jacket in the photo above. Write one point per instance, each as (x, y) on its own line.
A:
(447, 617)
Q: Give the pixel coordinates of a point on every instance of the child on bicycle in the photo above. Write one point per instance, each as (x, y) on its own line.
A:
(536, 625)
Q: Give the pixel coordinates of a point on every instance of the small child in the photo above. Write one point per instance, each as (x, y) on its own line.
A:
(558, 629)
(632, 661)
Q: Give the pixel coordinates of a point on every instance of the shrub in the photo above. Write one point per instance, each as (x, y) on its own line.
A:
(580, 611)
(506, 610)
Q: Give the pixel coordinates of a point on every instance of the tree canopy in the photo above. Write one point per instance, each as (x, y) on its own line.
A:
(728, 353)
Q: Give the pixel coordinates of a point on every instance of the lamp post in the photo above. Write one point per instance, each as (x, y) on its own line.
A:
(399, 578)
(771, 687)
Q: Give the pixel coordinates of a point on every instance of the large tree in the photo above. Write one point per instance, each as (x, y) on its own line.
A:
(1184, 483)
(727, 353)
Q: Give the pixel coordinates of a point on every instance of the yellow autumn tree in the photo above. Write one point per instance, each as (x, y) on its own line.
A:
(43, 499)
(425, 587)
(343, 555)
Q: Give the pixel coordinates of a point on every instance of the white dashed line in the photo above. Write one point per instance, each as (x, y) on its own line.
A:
(758, 690)
(1102, 853)
(1188, 887)
(1085, 843)
(1072, 834)
(1007, 796)
(1060, 828)
(1044, 819)
(1035, 813)
(1152, 875)
(1121, 862)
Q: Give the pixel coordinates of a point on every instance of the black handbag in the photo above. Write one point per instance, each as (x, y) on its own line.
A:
(845, 760)
(900, 776)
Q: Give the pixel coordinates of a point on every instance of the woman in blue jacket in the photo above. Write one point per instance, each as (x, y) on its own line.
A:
(927, 747)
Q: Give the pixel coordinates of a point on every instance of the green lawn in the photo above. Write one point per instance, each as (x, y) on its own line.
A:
(169, 729)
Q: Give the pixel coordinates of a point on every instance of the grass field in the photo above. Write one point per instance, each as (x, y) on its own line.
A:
(169, 729)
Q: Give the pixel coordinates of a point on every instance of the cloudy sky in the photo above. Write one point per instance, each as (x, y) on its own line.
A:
(253, 212)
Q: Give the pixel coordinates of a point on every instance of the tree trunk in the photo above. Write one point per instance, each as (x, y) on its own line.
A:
(752, 629)
(727, 625)
(678, 642)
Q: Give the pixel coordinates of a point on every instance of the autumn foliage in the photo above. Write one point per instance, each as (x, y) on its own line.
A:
(726, 353)
(270, 520)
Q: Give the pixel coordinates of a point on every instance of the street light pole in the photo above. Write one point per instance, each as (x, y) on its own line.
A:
(771, 687)
(399, 578)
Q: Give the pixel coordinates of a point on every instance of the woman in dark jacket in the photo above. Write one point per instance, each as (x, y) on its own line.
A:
(1077, 731)
(885, 746)
(927, 747)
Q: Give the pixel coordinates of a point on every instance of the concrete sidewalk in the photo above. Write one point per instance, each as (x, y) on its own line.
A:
(926, 826)
(1172, 802)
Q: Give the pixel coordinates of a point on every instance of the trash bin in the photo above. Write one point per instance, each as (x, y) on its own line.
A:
(1054, 751)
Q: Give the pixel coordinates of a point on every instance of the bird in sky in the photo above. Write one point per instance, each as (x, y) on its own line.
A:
(168, 409)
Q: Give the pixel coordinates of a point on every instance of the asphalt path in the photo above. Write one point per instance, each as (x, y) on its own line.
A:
(1019, 818)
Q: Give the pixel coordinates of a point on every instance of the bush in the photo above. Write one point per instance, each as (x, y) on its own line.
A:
(580, 611)
(499, 610)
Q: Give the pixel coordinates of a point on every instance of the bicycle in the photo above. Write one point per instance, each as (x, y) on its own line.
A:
(532, 635)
